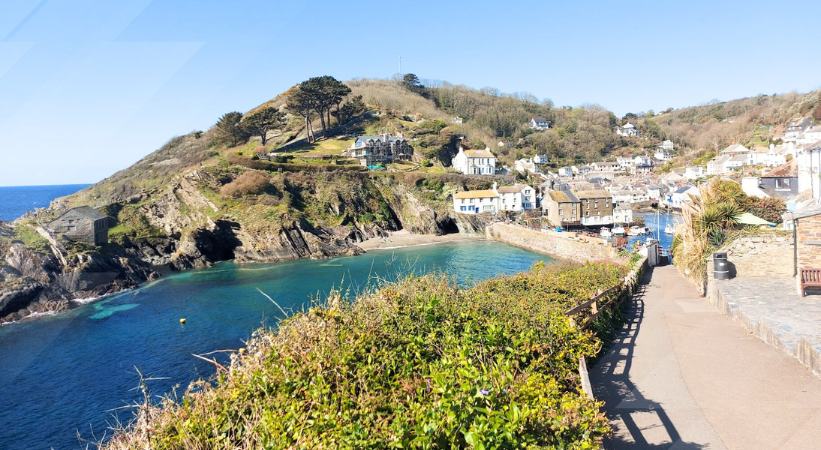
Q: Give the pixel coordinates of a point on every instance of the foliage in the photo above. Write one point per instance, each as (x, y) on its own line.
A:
(229, 131)
(26, 234)
(768, 208)
(411, 82)
(260, 122)
(417, 364)
(251, 182)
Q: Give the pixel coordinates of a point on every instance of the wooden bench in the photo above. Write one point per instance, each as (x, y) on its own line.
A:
(810, 278)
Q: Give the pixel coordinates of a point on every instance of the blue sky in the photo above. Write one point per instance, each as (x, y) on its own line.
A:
(89, 87)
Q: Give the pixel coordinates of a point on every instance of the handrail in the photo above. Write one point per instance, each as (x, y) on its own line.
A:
(593, 304)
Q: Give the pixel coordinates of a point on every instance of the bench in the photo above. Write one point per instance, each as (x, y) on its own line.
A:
(810, 278)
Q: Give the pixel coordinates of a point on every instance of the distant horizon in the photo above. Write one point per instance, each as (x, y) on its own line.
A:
(90, 87)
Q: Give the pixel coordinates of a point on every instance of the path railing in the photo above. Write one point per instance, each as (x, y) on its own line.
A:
(603, 301)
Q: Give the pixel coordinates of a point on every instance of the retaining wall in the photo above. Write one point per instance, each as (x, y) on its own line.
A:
(565, 245)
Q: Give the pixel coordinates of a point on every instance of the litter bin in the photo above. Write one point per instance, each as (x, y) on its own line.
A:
(721, 267)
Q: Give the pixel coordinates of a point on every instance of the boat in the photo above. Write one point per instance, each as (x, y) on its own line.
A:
(605, 232)
(668, 229)
(636, 230)
(618, 230)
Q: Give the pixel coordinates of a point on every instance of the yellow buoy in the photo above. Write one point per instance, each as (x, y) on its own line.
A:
(182, 321)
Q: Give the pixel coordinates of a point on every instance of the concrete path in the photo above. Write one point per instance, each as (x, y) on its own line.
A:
(680, 375)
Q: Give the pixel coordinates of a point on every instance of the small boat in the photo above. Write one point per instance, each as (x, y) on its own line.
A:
(605, 232)
(668, 229)
(636, 230)
(618, 230)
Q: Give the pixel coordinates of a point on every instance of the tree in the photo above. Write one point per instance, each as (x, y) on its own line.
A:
(411, 82)
(352, 108)
(228, 129)
(322, 93)
(300, 102)
(259, 123)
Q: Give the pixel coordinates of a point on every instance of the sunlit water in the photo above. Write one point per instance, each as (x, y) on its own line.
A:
(69, 373)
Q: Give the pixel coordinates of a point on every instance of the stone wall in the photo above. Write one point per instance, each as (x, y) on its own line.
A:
(565, 245)
(809, 242)
(763, 255)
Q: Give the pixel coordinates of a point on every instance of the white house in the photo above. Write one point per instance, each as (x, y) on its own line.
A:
(525, 165)
(771, 156)
(667, 145)
(726, 163)
(677, 198)
(735, 149)
(695, 172)
(565, 171)
(751, 186)
(541, 159)
(628, 130)
(518, 197)
(811, 135)
(796, 128)
(809, 170)
(475, 162)
(622, 214)
(654, 193)
(625, 162)
(475, 202)
(539, 123)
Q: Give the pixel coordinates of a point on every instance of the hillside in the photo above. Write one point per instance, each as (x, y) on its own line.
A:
(216, 195)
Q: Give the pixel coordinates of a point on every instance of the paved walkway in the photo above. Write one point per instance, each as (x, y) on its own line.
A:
(681, 375)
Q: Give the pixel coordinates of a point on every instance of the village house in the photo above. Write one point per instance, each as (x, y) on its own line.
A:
(796, 128)
(771, 156)
(625, 162)
(562, 208)
(475, 162)
(382, 149)
(662, 155)
(539, 123)
(806, 225)
(725, 164)
(811, 135)
(627, 130)
(565, 171)
(809, 170)
(680, 196)
(518, 197)
(622, 214)
(667, 145)
(82, 224)
(596, 207)
(695, 172)
(781, 181)
(476, 202)
(654, 193)
(606, 166)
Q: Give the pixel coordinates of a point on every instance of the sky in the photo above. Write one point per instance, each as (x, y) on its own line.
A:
(89, 87)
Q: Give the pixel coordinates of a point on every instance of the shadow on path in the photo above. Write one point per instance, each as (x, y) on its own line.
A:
(638, 422)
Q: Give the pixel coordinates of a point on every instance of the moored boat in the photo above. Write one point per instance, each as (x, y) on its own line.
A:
(605, 232)
(668, 229)
(618, 230)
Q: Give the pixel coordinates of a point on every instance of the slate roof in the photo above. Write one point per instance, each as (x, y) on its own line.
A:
(592, 194)
(789, 169)
(511, 189)
(362, 140)
(479, 154)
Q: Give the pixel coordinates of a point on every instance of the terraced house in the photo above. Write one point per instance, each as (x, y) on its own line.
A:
(562, 208)
(476, 202)
(380, 150)
(596, 207)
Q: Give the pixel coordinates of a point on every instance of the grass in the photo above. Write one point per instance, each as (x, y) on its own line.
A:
(416, 364)
(26, 234)
(323, 147)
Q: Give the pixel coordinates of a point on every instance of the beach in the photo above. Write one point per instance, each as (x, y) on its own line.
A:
(403, 238)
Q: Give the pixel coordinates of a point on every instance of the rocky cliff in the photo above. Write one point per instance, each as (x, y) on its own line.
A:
(206, 214)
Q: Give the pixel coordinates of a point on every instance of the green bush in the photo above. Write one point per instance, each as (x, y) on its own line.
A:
(417, 364)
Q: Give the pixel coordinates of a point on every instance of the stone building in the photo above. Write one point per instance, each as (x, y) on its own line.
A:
(807, 229)
(562, 208)
(596, 207)
(381, 149)
(83, 224)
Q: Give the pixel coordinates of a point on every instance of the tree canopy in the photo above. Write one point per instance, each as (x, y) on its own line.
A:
(260, 122)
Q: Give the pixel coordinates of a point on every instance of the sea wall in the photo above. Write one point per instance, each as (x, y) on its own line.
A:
(565, 245)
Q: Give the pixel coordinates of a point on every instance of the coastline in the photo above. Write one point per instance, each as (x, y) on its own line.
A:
(403, 239)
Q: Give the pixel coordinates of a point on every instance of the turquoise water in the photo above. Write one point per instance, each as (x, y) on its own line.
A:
(69, 373)
(17, 200)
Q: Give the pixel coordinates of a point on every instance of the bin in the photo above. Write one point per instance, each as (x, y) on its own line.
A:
(721, 267)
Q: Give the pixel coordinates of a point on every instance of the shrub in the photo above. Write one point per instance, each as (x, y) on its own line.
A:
(769, 208)
(251, 182)
(417, 364)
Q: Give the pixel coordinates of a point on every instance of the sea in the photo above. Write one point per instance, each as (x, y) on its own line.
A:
(17, 200)
(65, 379)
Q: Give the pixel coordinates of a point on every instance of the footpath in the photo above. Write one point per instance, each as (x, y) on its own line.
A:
(681, 375)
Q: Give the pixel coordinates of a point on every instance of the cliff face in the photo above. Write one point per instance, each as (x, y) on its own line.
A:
(191, 222)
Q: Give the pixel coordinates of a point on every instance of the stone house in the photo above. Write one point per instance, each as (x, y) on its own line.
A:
(562, 208)
(596, 207)
(475, 162)
(83, 224)
(381, 149)
(807, 236)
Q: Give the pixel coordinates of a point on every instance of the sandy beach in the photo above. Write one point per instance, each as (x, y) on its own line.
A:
(403, 238)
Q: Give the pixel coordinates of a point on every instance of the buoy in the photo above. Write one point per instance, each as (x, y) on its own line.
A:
(182, 320)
